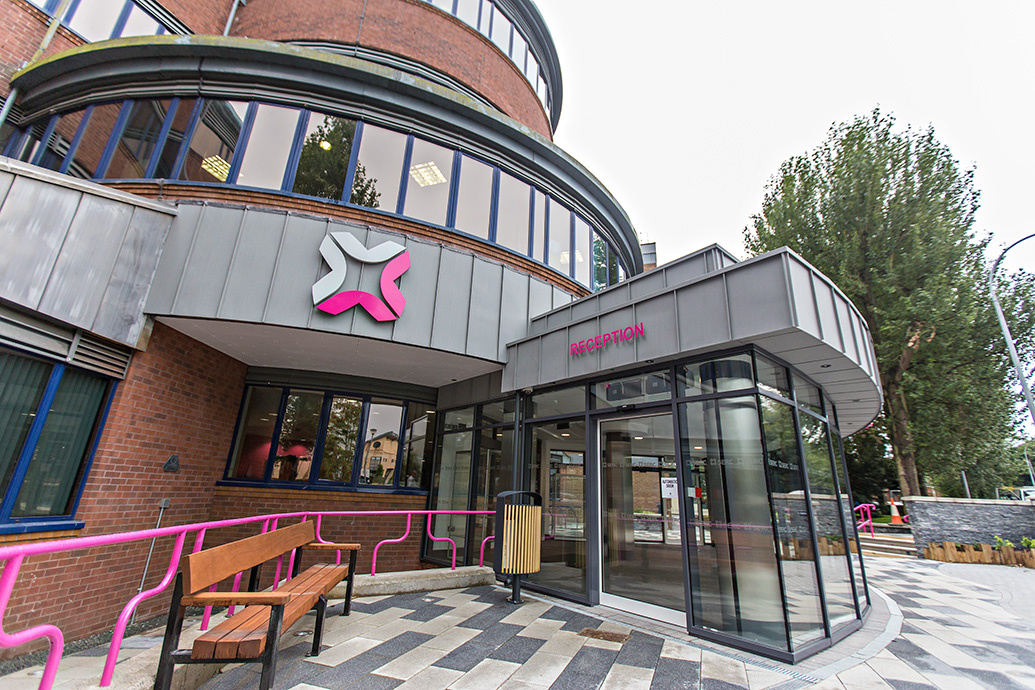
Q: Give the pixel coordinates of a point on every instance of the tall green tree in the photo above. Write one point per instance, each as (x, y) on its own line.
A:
(889, 216)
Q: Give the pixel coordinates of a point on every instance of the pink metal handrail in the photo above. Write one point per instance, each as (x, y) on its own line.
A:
(866, 516)
(12, 557)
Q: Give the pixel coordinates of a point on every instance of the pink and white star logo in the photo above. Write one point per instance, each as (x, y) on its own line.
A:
(325, 292)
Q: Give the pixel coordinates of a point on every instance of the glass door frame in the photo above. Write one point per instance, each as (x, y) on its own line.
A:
(597, 593)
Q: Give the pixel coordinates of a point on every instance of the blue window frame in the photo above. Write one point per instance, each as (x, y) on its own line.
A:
(51, 416)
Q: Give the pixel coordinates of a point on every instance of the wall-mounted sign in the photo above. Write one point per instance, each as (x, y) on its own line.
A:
(605, 339)
(396, 260)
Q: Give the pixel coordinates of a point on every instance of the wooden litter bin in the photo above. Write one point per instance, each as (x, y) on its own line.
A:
(519, 536)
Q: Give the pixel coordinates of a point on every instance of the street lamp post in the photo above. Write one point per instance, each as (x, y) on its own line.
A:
(1009, 341)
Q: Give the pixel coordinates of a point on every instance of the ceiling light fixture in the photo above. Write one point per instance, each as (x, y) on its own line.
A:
(216, 167)
(427, 174)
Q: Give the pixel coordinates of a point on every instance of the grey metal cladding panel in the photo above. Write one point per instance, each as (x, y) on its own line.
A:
(77, 284)
(507, 383)
(703, 314)
(514, 315)
(120, 315)
(844, 316)
(251, 271)
(526, 364)
(804, 301)
(6, 179)
(206, 269)
(647, 284)
(299, 265)
(558, 318)
(560, 298)
(758, 298)
(585, 308)
(419, 285)
(553, 356)
(370, 280)
(453, 302)
(33, 222)
(622, 352)
(495, 383)
(540, 298)
(658, 316)
(174, 257)
(483, 327)
(617, 296)
(825, 300)
(683, 271)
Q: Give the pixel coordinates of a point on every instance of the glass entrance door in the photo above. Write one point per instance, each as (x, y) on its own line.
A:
(641, 549)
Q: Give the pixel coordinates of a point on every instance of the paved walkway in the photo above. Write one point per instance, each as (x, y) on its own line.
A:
(932, 625)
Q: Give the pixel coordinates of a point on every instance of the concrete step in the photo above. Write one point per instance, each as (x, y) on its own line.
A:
(887, 545)
(880, 554)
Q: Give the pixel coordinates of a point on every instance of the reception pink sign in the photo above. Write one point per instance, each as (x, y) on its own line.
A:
(605, 339)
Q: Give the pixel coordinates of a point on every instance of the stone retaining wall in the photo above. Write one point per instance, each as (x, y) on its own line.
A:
(968, 521)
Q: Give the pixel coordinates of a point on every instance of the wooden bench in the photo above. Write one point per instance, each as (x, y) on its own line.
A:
(251, 635)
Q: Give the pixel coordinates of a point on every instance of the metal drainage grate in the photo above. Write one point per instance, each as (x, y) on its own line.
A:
(604, 635)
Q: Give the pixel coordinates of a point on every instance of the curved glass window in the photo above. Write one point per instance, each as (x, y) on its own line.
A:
(486, 18)
(99, 20)
(474, 205)
(319, 155)
(211, 150)
(266, 157)
(559, 238)
(427, 182)
(512, 214)
(379, 169)
(323, 162)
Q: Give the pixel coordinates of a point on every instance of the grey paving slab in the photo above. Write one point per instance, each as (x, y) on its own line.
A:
(676, 674)
(641, 650)
(587, 669)
(517, 649)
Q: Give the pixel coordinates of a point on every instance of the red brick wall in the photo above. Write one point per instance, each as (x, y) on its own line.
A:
(23, 29)
(202, 16)
(409, 28)
(179, 397)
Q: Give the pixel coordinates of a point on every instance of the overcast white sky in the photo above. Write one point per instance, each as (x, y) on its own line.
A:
(685, 109)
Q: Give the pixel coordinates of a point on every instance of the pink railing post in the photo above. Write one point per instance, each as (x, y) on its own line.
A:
(865, 517)
(432, 537)
(51, 632)
(481, 555)
(373, 562)
(120, 625)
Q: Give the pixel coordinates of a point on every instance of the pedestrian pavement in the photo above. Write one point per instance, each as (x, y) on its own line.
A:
(931, 625)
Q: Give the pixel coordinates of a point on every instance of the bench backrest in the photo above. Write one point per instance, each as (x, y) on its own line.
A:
(205, 568)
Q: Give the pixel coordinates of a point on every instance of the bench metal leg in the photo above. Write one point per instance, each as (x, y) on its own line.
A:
(173, 628)
(321, 610)
(269, 657)
(347, 608)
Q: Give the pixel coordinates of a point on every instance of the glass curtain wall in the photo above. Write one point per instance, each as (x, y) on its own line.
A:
(764, 516)
(474, 463)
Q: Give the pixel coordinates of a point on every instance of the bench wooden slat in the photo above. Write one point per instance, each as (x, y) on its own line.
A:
(320, 546)
(206, 568)
(236, 599)
(243, 636)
